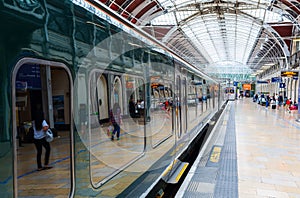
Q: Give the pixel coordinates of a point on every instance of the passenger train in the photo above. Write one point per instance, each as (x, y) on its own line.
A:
(74, 60)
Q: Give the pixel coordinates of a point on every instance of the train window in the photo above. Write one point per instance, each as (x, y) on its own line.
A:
(192, 103)
(208, 96)
(111, 97)
(212, 96)
(200, 100)
(160, 111)
(216, 96)
(160, 127)
(41, 90)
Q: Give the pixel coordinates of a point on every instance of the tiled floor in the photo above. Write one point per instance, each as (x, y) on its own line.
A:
(268, 151)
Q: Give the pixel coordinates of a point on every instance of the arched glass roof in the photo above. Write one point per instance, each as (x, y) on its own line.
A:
(233, 32)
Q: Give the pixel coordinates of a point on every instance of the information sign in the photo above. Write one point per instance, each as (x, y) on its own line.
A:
(282, 85)
(289, 73)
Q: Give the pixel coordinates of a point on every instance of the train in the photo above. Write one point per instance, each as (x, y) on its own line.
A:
(74, 60)
(231, 92)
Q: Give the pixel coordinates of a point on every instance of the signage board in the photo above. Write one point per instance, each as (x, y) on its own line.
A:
(276, 79)
(289, 73)
(247, 86)
(262, 82)
(28, 76)
(282, 85)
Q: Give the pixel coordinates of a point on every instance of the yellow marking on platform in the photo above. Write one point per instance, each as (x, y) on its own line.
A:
(181, 172)
(215, 155)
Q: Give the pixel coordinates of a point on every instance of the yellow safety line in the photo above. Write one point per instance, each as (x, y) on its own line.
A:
(181, 172)
(215, 155)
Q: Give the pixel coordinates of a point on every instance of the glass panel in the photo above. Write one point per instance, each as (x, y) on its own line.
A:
(37, 88)
(184, 105)
(116, 133)
(135, 92)
(161, 125)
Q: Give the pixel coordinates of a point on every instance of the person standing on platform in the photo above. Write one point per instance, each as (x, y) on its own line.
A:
(267, 101)
(273, 103)
(132, 108)
(276, 101)
(280, 100)
(288, 104)
(40, 126)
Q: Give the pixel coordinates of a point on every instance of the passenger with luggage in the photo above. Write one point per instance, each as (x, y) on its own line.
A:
(267, 101)
(273, 103)
(116, 120)
(40, 126)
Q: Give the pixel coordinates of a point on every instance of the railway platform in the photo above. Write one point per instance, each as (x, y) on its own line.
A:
(252, 152)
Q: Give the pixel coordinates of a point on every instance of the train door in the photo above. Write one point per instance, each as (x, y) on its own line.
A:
(42, 89)
(184, 105)
(178, 105)
(213, 96)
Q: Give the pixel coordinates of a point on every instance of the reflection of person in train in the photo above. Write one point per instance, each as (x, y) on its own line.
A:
(166, 104)
(115, 119)
(39, 127)
(140, 107)
(132, 108)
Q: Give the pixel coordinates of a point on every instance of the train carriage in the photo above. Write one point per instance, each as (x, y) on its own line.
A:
(74, 60)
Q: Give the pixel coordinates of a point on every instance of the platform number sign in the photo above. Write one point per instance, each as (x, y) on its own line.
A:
(281, 85)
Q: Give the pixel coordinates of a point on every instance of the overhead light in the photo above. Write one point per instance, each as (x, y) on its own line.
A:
(259, 71)
(266, 39)
(134, 44)
(265, 67)
(269, 64)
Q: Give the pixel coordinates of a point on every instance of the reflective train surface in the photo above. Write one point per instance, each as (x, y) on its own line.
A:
(74, 60)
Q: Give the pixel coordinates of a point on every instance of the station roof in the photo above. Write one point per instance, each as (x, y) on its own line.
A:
(239, 37)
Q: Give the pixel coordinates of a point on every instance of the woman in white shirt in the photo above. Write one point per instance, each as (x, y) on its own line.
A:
(40, 127)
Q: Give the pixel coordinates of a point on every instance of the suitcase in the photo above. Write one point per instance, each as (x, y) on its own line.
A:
(273, 106)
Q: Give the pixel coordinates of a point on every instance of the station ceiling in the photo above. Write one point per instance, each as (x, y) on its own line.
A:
(236, 38)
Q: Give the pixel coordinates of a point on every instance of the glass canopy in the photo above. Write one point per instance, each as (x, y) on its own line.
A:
(208, 33)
